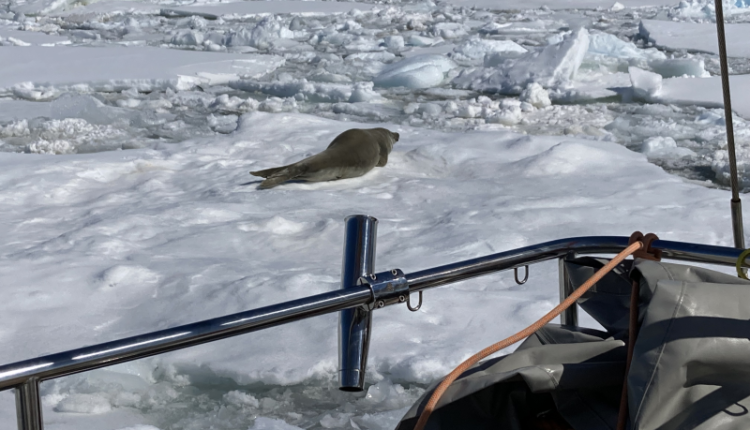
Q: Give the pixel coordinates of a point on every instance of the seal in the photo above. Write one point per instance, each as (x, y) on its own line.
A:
(351, 154)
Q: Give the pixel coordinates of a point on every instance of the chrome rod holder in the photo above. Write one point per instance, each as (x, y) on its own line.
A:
(355, 324)
(28, 406)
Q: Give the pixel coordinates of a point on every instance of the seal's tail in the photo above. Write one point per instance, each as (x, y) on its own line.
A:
(278, 175)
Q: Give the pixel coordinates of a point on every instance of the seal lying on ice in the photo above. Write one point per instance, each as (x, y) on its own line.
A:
(352, 153)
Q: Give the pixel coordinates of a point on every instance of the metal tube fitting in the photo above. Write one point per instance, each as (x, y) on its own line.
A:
(355, 324)
(28, 406)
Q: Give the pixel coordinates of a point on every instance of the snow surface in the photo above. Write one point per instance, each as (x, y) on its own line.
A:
(146, 217)
(144, 233)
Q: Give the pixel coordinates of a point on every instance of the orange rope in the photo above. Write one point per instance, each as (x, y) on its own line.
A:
(528, 331)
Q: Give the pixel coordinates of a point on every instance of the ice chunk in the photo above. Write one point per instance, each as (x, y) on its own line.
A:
(84, 404)
(394, 43)
(187, 38)
(416, 40)
(477, 48)
(664, 147)
(363, 92)
(85, 107)
(722, 169)
(535, 95)
(240, 399)
(336, 421)
(554, 65)
(645, 84)
(710, 117)
(449, 30)
(50, 147)
(612, 46)
(380, 112)
(263, 423)
(425, 109)
(263, 35)
(420, 71)
(551, 66)
(672, 67)
(496, 59)
(298, 88)
(276, 105)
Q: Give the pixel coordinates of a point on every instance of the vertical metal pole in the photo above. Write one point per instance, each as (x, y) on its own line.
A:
(29, 406)
(736, 204)
(355, 324)
(568, 316)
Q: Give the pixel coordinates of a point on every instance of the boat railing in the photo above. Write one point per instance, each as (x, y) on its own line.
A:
(362, 291)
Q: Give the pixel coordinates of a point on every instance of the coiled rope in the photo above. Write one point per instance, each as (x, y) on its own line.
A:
(528, 331)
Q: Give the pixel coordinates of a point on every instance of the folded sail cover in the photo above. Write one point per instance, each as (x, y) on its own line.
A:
(690, 369)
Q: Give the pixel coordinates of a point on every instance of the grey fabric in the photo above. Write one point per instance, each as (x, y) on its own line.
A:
(608, 301)
(691, 365)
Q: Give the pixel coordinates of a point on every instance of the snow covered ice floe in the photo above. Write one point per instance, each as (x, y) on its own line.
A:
(144, 233)
(696, 36)
(246, 8)
(26, 71)
(559, 4)
(706, 92)
(13, 37)
(706, 9)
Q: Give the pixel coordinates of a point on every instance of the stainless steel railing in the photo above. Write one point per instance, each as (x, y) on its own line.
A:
(362, 292)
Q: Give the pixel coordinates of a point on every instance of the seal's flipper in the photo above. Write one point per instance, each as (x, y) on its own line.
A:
(383, 158)
(268, 172)
(272, 182)
(279, 175)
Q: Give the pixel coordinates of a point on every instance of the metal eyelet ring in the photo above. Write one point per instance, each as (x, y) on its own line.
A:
(419, 305)
(525, 278)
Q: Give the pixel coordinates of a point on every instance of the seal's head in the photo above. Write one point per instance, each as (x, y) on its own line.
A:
(385, 138)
